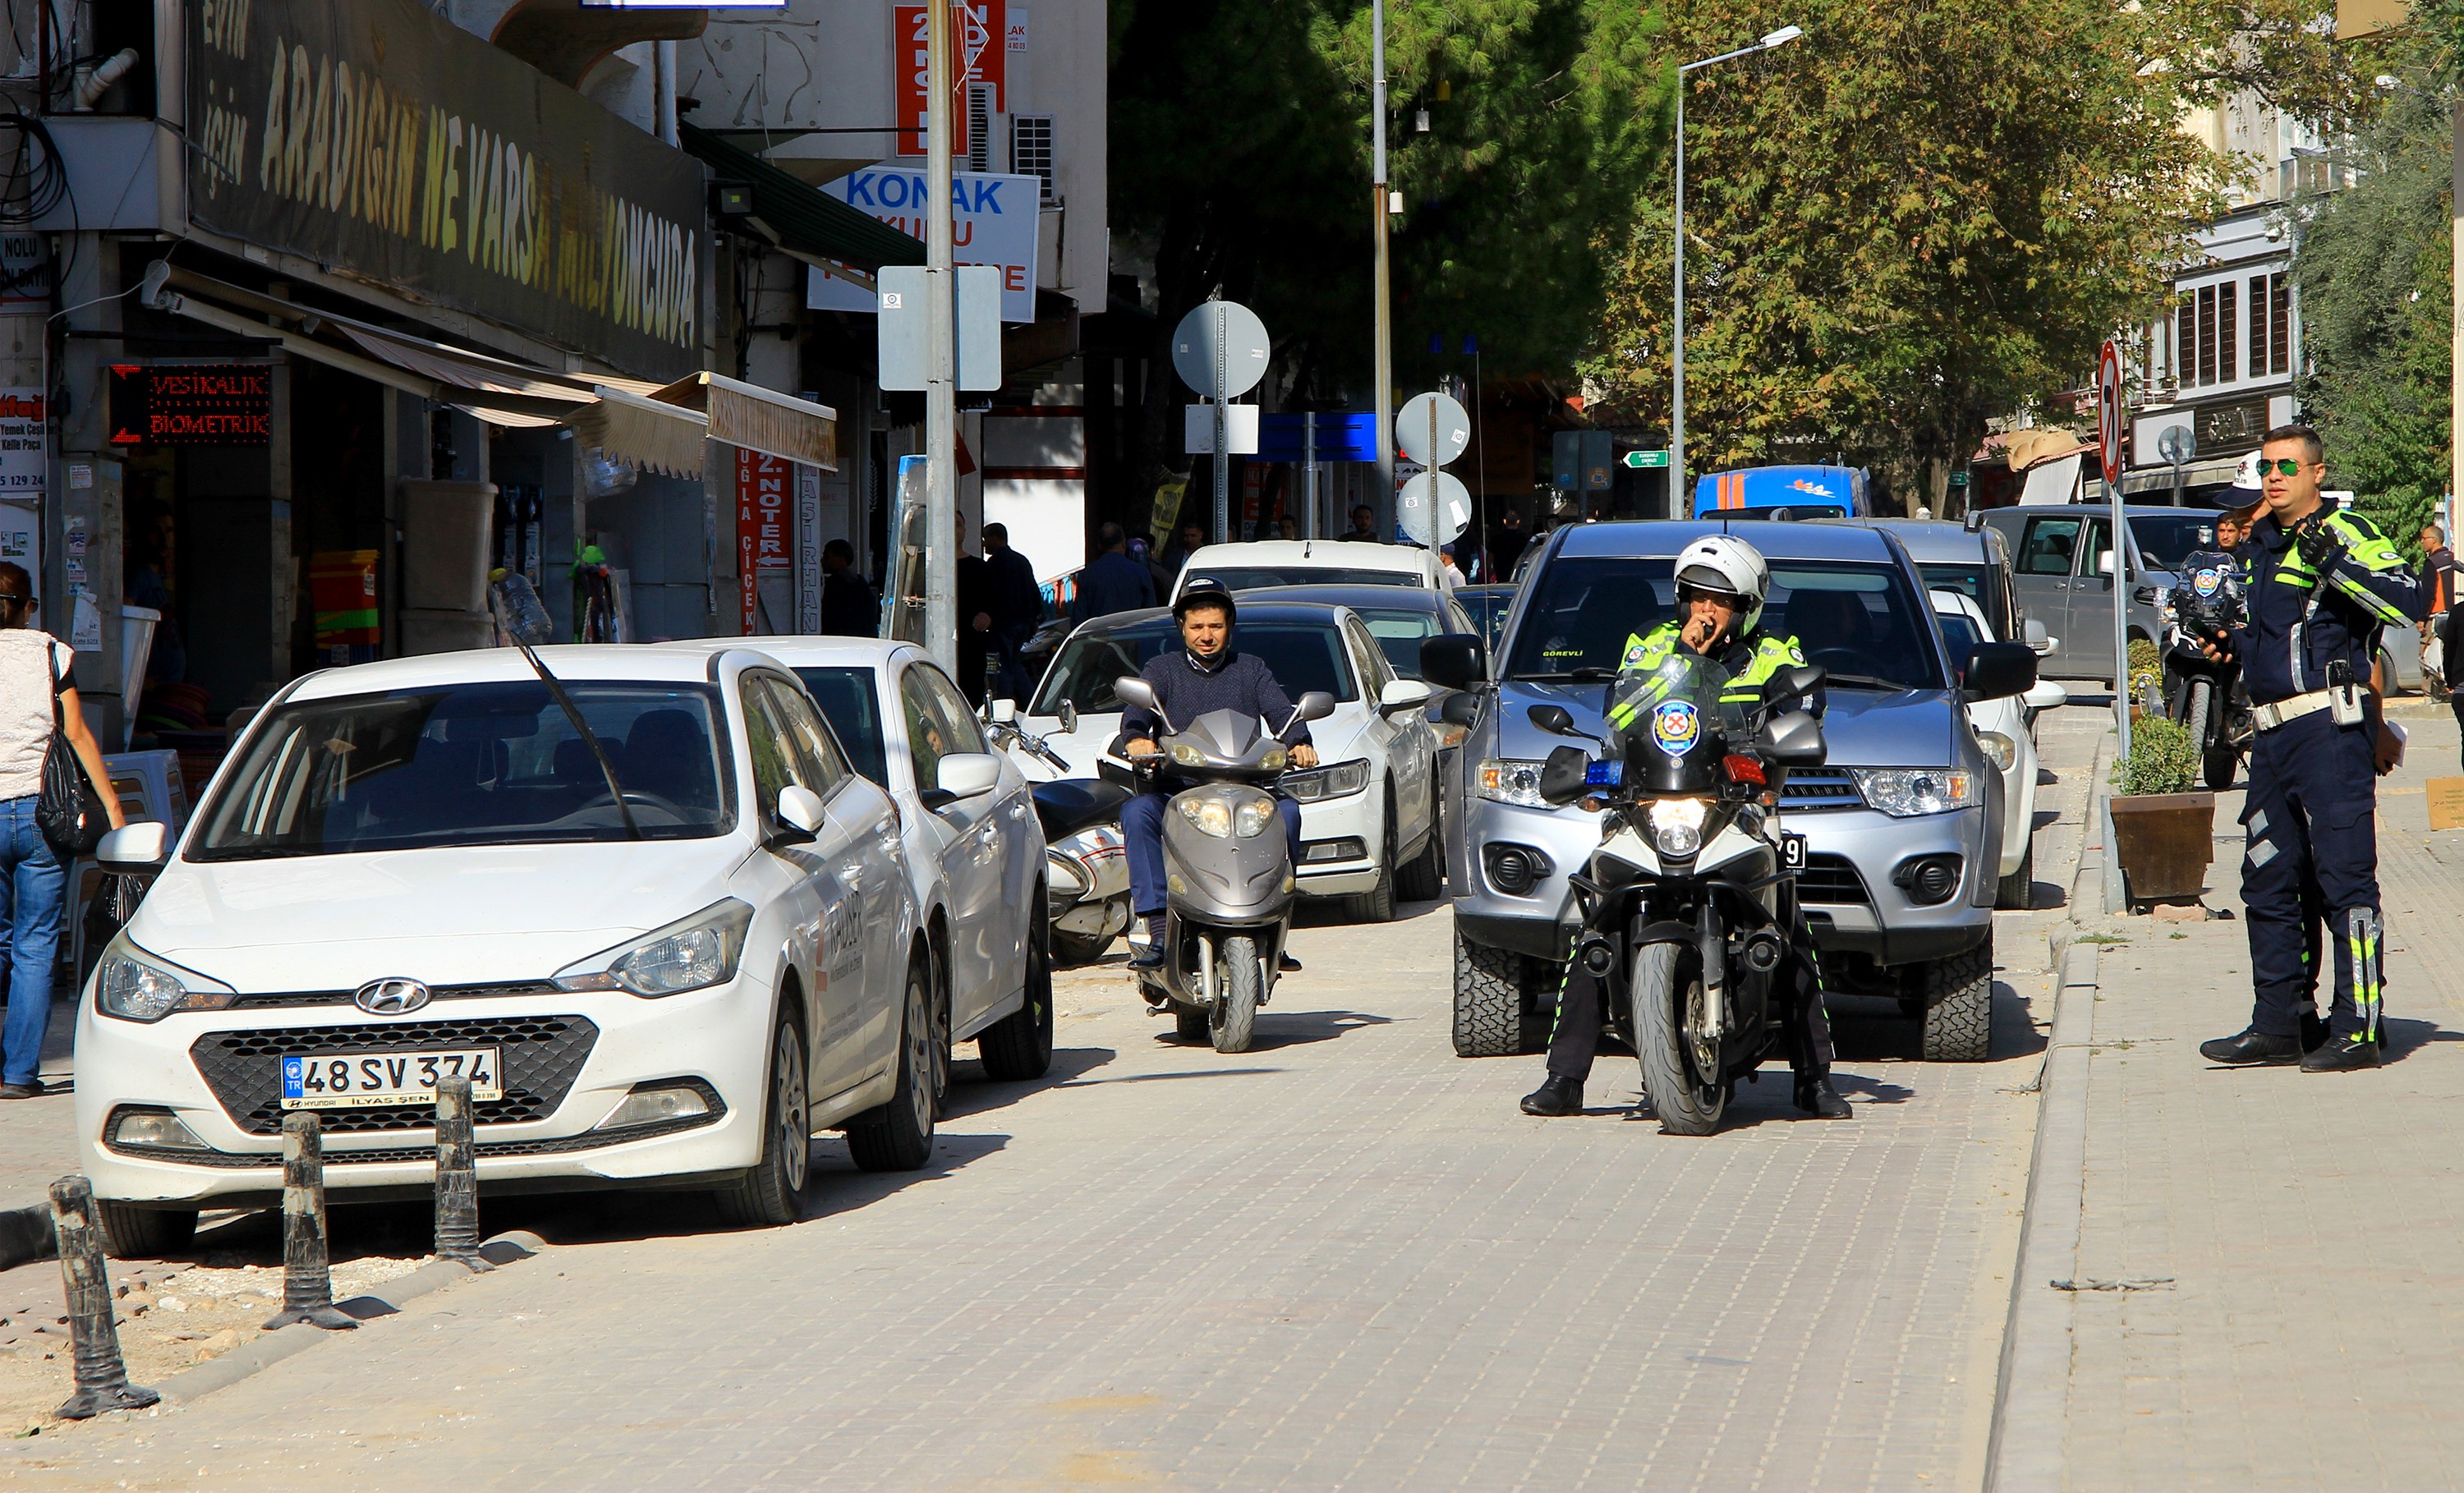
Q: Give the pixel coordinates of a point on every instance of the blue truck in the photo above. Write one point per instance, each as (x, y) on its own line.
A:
(1782, 493)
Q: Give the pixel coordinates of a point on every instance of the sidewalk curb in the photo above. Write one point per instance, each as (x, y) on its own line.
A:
(26, 1235)
(273, 1347)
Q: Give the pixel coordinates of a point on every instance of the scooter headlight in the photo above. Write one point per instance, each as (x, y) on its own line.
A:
(1184, 755)
(1208, 817)
(1676, 826)
(1251, 819)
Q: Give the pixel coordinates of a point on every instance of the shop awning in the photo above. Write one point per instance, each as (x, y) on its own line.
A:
(643, 433)
(805, 222)
(756, 419)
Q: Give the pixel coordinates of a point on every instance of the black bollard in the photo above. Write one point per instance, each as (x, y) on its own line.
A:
(307, 1280)
(101, 1376)
(457, 1176)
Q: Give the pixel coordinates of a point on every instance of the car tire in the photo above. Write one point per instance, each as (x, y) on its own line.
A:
(133, 1233)
(1190, 1024)
(1019, 1046)
(897, 1136)
(1494, 1014)
(1234, 1021)
(772, 1194)
(1686, 1103)
(1959, 1006)
(941, 1044)
(1377, 905)
(1423, 880)
(2018, 892)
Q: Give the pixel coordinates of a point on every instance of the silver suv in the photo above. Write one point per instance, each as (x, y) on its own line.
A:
(1904, 823)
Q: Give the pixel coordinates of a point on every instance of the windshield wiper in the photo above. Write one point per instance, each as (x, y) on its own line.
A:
(1867, 682)
(1589, 673)
(581, 726)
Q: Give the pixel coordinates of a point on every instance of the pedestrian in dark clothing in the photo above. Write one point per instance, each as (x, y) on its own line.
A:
(1364, 525)
(849, 607)
(1017, 609)
(2437, 630)
(1115, 582)
(1191, 539)
(976, 638)
(1506, 544)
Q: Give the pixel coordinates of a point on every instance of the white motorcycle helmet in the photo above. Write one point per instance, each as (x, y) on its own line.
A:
(1726, 566)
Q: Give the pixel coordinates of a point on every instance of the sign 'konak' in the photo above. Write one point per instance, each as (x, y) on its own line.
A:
(382, 141)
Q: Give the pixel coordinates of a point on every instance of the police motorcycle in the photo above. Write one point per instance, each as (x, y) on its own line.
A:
(1086, 861)
(2207, 695)
(1687, 901)
(1227, 867)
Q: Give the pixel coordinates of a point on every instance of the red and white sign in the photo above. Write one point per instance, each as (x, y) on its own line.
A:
(2108, 414)
(979, 54)
(762, 519)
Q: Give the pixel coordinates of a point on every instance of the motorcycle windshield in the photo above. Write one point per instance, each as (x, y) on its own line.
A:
(1680, 727)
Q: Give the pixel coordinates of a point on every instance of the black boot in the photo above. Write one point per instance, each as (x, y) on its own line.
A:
(1285, 964)
(2341, 1055)
(2314, 1031)
(1149, 957)
(1559, 1095)
(1817, 1097)
(2250, 1047)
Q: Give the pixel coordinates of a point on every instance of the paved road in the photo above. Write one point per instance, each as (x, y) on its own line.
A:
(1342, 1260)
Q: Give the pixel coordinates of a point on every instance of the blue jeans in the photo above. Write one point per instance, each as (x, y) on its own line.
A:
(32, 884)
(1142, 827)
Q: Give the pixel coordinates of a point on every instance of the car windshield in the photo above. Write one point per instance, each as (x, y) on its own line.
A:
(1488, 609)
(852, 706)
(1302, 656)
(470, 764)
(1251, 577)
(2165, 540)
(1399, 634)
(1967, 581)
(1959, 631)
(1864, 623)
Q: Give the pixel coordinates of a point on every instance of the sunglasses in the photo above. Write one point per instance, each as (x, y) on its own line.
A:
(2289, 466)
(7, 600)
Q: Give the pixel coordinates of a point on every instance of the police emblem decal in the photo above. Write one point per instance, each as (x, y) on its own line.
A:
(2206, 581)
(1676, 726)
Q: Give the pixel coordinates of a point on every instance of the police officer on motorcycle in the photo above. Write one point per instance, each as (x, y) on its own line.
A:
(2323, 584)
(1721, 583)
(2205, 603)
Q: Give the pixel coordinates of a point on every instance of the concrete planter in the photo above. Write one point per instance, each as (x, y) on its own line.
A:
(2165, 842)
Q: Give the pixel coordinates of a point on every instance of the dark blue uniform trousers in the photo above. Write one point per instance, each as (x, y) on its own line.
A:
(1142, 827)
(2313, 858)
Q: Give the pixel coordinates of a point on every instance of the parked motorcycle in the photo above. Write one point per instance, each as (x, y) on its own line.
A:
(1227, 867)
(1688, 900)
(2207, 696)
(1085, 862)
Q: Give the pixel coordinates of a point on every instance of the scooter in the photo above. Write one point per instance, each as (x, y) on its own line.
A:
(1086, 861)
(2208, 696)
(1227, 868)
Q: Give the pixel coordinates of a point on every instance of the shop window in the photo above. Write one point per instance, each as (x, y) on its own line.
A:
(2228, 350)
(2207, 336)
(2279, 324)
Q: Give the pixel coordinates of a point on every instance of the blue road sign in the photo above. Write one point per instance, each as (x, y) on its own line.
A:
(1340, 437)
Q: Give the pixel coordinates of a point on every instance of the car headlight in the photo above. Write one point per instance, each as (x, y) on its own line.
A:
(1208, 815)
(1507, 779)
(134, 986)
(1184, 755)
(691, 954)
(1676, 826)
(1327, 782)
(1906, 792)
(1250, 820)
(2000, 748)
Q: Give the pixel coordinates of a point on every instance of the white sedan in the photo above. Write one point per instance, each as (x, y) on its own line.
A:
(973, 847)
(2002, 726)
(1369, 830)
(644, 903)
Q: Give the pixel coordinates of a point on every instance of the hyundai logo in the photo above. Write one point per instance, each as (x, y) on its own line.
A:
(391, 997)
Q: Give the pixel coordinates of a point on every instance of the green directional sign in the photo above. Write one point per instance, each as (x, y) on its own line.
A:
(1646, 458)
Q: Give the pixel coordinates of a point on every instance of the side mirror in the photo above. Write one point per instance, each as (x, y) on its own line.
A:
(2035, 635)
(1403, 695)
(1554, 719)
(1131, 690)
(2105, 563)
(138, 851)
(1566, 775)
(1068, 717)
(1456, 660)
(1795, 682)
(1005, 711)
(799, 809)
(969, 775)
(2046, 695)
(1998, 670)
(1316, 705)
(1791, 740)
(1461, 709)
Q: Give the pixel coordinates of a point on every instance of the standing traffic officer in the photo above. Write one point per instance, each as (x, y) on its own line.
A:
(2322, 584)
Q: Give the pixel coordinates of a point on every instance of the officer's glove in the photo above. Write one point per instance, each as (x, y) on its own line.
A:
(2321, 548)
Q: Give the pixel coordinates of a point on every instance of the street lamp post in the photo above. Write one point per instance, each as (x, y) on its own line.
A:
(1383, 359)
(1677, 344)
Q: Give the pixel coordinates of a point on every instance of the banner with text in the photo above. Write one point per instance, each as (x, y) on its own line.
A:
(992, 221)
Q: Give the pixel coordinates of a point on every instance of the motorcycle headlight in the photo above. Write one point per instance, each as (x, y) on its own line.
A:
(1184, 755)
(1327, 782)
(1250, 820)
(1208, 817)
(2001, 749)
(1676, 826)
(1507, 780)
(691, 954)
(1907, 792)
(134, 986)
(1274, 760)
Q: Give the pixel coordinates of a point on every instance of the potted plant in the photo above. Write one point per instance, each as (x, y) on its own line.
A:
(2146, 680)
(2163, 833)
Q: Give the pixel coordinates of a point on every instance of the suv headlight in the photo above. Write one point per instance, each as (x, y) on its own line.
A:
(1327, 782)
(1676, 826)
(1509, 780)
(2001, 749)
(1906, 792)
(691, 954)
(134, 986)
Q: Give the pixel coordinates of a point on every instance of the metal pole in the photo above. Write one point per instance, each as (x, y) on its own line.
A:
(663, 89)
(1677, 341)
(1222, 433)
(1308, 475)
(307, 1273)
(2121, 629)
(101, 1373)
(2455, 359)
(457, 1176)
(941, 355)
(1385, 351)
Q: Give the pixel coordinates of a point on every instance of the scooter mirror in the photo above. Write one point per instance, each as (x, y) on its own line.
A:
(1131, 690)
(1069, 717)
(1316, 705)
(1554, 719)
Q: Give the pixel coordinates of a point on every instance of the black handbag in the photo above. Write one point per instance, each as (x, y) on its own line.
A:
(70, 812)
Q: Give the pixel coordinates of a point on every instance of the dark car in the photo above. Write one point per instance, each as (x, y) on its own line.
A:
(1487, 605)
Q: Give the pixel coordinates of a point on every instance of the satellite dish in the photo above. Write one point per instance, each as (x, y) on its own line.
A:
(1432, 508)
(1230, 328)
(1429, 415)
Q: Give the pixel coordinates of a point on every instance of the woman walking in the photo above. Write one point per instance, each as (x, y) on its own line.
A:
(38, 698)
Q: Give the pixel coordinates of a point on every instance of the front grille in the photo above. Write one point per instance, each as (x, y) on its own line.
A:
(486, 1149)
(1820, 788)
(541, 1057)
(1832, 878)
(343, 998)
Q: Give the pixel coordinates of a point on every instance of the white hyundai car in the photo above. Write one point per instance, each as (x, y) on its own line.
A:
(973, 847)
(640, 898)
(1369, 830)
(2002, 727)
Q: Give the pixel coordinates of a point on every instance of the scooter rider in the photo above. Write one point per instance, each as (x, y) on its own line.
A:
(2323, 584)
(2216, 586)
(1206, 674)
(1721, 583)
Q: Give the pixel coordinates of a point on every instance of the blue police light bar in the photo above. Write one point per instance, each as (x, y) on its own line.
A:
(1609, 774)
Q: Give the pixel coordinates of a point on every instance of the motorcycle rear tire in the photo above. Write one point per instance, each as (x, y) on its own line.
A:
(1664, 976)
(1234, 1020)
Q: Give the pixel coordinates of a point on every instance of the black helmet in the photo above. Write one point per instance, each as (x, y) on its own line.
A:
(1205, 591)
